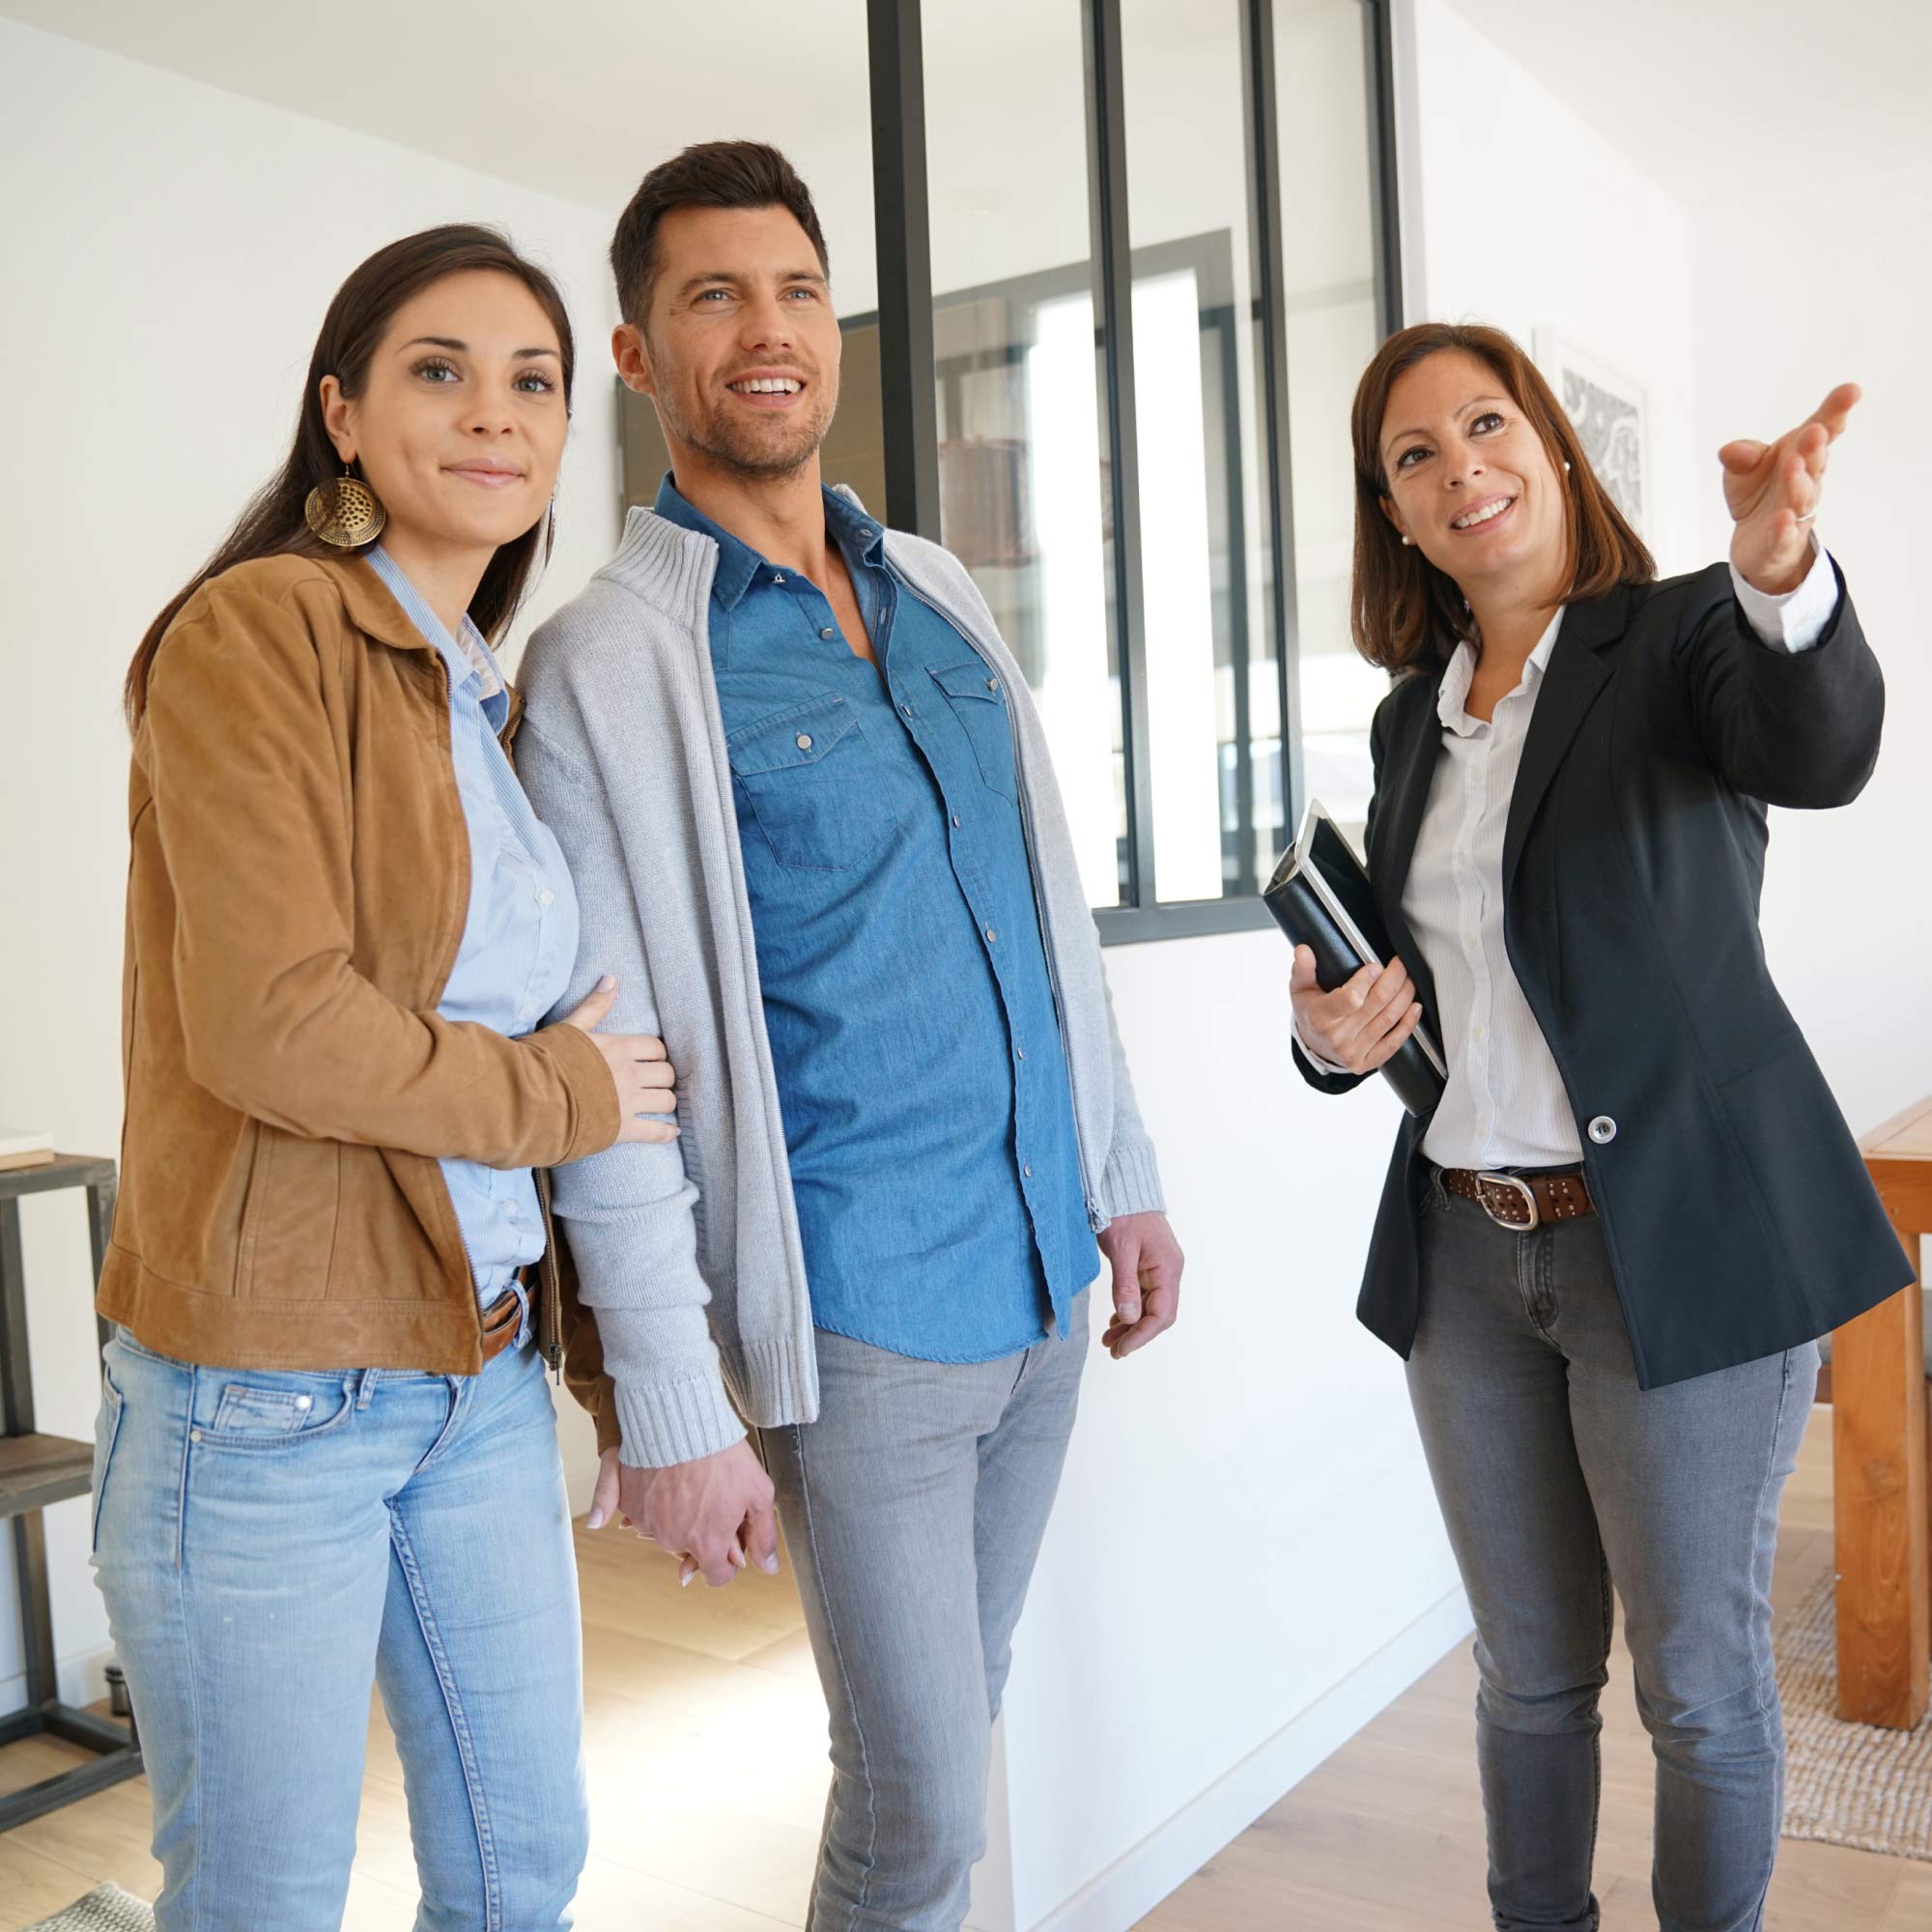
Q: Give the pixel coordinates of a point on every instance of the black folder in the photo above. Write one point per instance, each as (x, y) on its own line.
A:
(1321, 899)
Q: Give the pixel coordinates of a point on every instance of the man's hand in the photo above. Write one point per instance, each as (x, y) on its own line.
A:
(1147, 1262)
(717, 1512)
(1773, 489)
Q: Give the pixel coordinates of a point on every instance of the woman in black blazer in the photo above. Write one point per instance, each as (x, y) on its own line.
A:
(1608, 1250)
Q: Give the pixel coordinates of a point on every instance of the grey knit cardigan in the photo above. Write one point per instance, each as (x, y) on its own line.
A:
(688, 1253)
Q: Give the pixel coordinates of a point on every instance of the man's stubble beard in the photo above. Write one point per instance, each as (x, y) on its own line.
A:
(745, 456)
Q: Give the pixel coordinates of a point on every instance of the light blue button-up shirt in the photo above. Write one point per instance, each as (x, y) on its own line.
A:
(520, 936)
(914, 1028)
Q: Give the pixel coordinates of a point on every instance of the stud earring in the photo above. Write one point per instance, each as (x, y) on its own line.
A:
(1566, 466)
(1408, 539)
(344, 512)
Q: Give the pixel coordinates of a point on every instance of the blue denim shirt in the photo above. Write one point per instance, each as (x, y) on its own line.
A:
(914, 1031)
(519, 938)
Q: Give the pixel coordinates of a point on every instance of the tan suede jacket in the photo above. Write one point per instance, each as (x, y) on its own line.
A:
(296, 891)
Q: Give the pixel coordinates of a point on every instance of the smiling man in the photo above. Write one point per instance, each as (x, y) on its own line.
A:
(815, 836)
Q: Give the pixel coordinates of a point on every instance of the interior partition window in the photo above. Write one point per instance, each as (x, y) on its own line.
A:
(1158, 249)
(1023, 499)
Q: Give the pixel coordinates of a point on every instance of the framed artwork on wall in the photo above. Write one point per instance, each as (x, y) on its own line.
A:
(1612, 417)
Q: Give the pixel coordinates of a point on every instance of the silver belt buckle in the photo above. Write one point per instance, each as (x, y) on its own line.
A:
(1515, 1185)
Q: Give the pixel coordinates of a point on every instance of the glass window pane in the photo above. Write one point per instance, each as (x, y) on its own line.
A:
(1212, 682)
(1330, 238)
(1021, 475)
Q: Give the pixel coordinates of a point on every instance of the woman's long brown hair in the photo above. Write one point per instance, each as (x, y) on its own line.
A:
(1403, 614)
(274, 523)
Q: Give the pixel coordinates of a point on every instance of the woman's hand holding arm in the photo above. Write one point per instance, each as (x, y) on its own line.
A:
(645, 1080)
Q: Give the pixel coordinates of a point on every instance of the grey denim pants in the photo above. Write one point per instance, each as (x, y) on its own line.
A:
(1559, 1479)
(913, 1511)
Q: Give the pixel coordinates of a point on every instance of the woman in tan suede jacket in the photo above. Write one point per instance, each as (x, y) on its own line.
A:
(326, 1452)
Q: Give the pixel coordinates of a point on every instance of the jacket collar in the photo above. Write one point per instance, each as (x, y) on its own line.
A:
(373, 610)
(370, 605)
(1575, 668)
(1578, 668)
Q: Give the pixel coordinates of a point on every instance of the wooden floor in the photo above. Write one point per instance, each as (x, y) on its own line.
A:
(705, 1742)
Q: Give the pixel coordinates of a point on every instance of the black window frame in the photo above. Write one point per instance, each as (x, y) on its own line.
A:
(909, 386)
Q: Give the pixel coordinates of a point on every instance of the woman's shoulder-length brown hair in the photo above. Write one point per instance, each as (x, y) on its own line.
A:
(1403, 614)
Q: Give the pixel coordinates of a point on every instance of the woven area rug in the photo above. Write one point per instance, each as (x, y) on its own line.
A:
(105, 1909)
(1848, 1784)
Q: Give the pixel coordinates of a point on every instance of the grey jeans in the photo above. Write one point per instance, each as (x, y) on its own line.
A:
(1559, 1478)
(913, 1511)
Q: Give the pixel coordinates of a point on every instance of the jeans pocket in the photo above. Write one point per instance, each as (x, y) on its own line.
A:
(277, 1412)
(106, 1432)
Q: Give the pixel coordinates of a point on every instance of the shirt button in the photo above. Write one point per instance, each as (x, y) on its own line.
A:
(1603, 1131)
(805, 741)
(304, 1402)
(991, 935)
(992, 684)
(1027, 1170)
(546, 897)
(907, 709)
(828, 632)
(777, 577)
(956, 821)
(1021, 1051)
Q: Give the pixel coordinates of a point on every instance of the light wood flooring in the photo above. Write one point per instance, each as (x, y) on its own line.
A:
(705, 1740)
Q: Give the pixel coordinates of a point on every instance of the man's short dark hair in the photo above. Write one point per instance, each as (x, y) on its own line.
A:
(712, 174)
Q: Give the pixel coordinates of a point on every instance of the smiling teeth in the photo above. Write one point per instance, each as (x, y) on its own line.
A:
(1483, 515)
(768, 385)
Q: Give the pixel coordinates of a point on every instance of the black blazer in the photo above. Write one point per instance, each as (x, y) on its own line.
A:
(1736, 1210)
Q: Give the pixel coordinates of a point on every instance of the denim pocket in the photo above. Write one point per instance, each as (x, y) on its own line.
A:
(279, 1412)
(815, 787)
(974, 696)
(106, 1432)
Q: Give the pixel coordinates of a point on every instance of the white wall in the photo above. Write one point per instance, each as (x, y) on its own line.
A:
(166, 274)
(1828, 281)
(1518, 214)
(1246, 1562)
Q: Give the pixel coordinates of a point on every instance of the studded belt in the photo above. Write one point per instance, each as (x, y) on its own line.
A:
(1521, 1202)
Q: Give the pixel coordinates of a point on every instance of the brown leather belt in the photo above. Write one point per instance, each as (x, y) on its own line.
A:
(502, 1320)
(1521, 1202)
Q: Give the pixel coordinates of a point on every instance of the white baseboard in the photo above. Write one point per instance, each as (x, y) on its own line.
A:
(1166, 1858)
(79, 1680)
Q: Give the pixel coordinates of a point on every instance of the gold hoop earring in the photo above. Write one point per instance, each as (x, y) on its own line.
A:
(344, 512)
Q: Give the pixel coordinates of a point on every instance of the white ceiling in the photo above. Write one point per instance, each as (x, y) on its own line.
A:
(579, 98)
(1733, 95)
(574, 99)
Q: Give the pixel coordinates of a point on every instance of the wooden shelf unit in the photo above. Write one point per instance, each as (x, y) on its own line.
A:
(35, 1471)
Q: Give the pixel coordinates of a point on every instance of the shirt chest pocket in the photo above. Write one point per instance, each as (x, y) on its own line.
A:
(977, 702)
(817, 789)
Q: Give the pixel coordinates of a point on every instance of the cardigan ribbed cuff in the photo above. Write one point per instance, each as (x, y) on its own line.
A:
(675, 1422)
(1132, 1182)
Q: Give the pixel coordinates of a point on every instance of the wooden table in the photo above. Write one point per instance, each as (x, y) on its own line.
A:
(1881, 1491)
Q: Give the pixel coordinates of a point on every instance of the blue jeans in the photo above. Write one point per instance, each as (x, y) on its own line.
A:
(1559, 1479)
(272, 1543)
